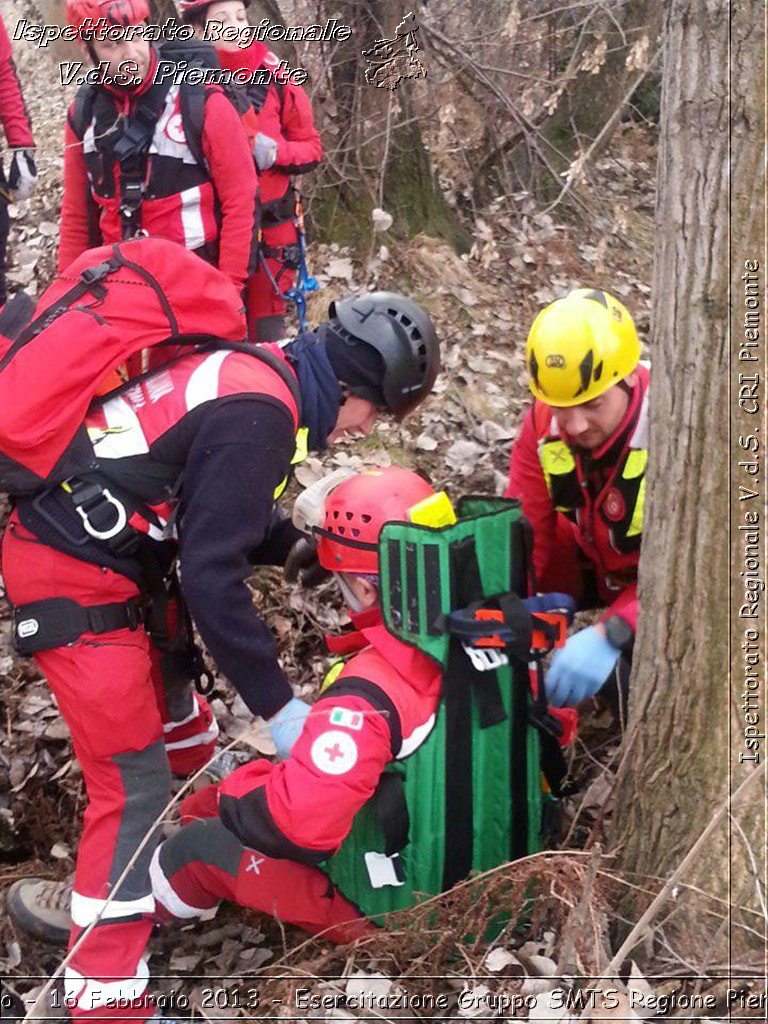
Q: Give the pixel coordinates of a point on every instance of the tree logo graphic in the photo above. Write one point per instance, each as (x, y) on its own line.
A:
(390, 60)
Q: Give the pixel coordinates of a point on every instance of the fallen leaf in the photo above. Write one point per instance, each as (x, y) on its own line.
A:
(426, 442)
(369, 986)
(340, 268)
(498, 959)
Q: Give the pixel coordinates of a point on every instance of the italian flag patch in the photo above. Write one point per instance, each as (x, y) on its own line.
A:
(347, 718)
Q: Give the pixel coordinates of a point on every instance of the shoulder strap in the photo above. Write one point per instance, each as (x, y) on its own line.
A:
(204, 341)
(139, 128)
(82, 109)
(192, 104)
(281, 368)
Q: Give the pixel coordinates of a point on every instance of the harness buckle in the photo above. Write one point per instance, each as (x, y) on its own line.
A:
(89, 498)
(131, 197)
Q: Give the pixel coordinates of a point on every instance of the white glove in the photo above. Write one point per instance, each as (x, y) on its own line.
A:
(22, 178)
(265, 151)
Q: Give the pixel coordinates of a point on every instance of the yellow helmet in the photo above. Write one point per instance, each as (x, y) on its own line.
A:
(580, 346)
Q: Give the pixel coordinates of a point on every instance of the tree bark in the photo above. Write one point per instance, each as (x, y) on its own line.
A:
(686, 726)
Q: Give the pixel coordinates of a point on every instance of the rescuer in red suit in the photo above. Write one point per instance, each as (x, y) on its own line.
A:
(286, 144)
(138, 159)
(225, 425)
(297, 813)
(579, 467)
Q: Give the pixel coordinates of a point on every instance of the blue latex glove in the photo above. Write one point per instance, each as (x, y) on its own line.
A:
(580, 669)
(285, 727)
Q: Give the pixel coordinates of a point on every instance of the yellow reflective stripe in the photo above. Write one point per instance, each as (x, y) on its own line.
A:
(280, 488)
(332, 674)
(635, 465)
(636, 523)
(301, 446)
(299, 454)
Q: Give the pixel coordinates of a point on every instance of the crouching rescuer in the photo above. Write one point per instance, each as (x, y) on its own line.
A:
(578, 467)
(181, 465)
(422, 759)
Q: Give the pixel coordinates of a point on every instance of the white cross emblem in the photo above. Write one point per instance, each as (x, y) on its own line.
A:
(254, 865)
(334, 752)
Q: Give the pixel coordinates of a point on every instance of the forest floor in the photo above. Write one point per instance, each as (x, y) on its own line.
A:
(482, 304)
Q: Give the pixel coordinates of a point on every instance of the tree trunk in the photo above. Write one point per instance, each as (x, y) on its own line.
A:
(687, 721)
(376, 156)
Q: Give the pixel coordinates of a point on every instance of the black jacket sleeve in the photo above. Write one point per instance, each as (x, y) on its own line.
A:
(240, 454)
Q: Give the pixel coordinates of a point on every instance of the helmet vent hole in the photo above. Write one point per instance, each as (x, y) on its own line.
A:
(349, 515)
(355, 532)
(336, 513)
(342, 530)
(365, 517)
(422, 350)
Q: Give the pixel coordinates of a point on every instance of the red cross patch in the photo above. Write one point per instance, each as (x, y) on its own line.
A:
(334, 752)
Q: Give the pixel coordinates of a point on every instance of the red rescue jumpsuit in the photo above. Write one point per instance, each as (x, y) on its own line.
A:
(108, 686)
(596, 526)
(211, 210)
(276, 822)
(285, 115)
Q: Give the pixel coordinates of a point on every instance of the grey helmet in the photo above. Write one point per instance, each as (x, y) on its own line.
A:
(403, 335)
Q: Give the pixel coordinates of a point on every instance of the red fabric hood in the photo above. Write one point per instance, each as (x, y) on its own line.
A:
(420, 671)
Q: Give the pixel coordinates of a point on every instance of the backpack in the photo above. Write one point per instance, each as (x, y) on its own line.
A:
(108, 305)
(481, 789)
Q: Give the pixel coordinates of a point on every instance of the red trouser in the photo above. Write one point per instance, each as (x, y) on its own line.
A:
(205, 863)
(261, 298)
(109, 690)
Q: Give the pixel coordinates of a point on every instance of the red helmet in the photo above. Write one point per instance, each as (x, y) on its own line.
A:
(356, 511)
(115, 12)
(192, 6)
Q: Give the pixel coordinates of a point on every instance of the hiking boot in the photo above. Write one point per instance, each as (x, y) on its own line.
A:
(41, 908)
